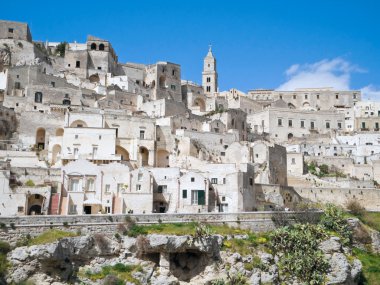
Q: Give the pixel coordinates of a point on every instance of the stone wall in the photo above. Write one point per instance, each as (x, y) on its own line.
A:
(13, 228)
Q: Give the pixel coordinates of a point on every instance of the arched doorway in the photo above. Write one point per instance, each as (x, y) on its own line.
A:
(78, 124)
(162, 158)
(35, 203)
(143, 156)
(59, 132)
(123, 152)
(200, 103)
(40, 138)
(290, 136)
(101, 47)
(162, 81)
(56, 154)
(93, 46)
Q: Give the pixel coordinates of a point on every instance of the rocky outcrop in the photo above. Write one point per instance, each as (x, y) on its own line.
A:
(364, 236)
(163, 259)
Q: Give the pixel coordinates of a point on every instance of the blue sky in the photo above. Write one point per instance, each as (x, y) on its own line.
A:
(258, 44)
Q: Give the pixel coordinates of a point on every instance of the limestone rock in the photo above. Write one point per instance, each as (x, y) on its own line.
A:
(340, 269)
(331, 245)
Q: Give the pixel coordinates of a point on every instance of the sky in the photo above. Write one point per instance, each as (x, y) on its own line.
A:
(258, 44)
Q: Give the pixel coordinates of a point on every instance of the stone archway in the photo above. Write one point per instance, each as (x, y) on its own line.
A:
(162, 158)
(290, 136)
(78, 124)
(162, 81)
(123, 153)
(143, 156)
(35, 203)
(200, 103)
(40, 138)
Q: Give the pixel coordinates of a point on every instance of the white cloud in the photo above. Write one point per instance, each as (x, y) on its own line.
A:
(370, 92)
(335, 73)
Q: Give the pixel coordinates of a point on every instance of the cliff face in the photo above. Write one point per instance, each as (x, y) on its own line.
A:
(160, 259)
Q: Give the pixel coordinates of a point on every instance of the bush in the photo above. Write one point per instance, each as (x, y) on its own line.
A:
(4, 247)
(61, 48)
(333, 219)
(30, 183)
(355, 208)
(323, 169)
(297, 247)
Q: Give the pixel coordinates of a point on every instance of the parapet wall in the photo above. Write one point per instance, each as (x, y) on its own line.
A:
(14, 228)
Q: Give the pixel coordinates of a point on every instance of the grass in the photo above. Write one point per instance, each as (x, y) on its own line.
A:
(246, 246)
(121, 271)
(181, 229)
(372, 219)
(4, 249)
(371, 267)
(50, 236)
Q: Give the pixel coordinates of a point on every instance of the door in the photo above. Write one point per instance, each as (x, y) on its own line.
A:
(87, 210)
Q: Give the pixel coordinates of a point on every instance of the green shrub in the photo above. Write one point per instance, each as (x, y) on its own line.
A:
(4, 247)
(30, 183)
(61, 48)
(334, 219)
(297, 247)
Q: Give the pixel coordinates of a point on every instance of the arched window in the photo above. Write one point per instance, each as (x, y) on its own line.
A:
(101, 47)
(93, 46)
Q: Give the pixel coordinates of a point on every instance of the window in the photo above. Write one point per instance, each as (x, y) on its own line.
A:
(214, 180)
(336, 96)
(377, 126)
(327, 125)
(290, 123)
(17, 85)
(52, 84)
(100, 137)
(208, 79)
(90, 185)
(198, 197)
(302, 124)
(317, 96)
(172, 87)
(93, 46)
(339, 125)
(208, 88)
(294, 96)
(184, 194)
(162, 188)
(107, 209)
(108, 188)
(94, 151)
(250, 181)
(74, 185)
(192, 179)
(76, 136)
(363, 125)
(139, 177)
(173, 72)
(305, 96)
(142, 134)
(279, 121)
(38, 97)
(99, 68)
(20, 209)
(10, 30)
(222, 153)
(138, 187)
(224, 180)
(77, 64)
(72, 209)
(293, 160)
(101, 47)
(75, 152)
(120, 187)
(312, 125)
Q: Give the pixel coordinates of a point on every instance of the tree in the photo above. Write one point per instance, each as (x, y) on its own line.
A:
(61, 48)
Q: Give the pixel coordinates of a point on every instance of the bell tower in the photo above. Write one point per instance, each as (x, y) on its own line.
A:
(209, 74)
